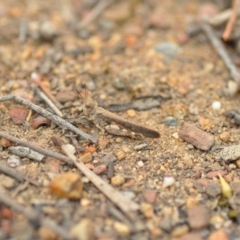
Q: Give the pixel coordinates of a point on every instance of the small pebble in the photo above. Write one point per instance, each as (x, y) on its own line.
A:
(179, 231)
(216, 105)
(231, 89)
(168, 181)
(198, 217)
(217, 221)
(131, 113)
(140, 163)
(230, 153)
(83, 230)
(117, 180)
(86, 158)
(218, 235)
(140, 146)
(213, 174)
(150, 195)
(100, 169)
(213, 189)
(170, 121)
(224, 136)
(70, 148)
(120, 155)
(147, 210)
(196, 136)
(238, 163)
(13, 161)
(122, 229)
(126, 149)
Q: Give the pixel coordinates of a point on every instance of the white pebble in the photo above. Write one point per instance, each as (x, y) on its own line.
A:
(13, 161)
(168, 181)
(231, 89)
(140, 163)
(216, 105)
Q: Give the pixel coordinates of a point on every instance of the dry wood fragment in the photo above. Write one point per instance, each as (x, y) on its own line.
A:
(220, 49)
(59, 121)
(228, 30)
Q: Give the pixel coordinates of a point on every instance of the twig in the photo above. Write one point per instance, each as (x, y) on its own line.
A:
(59, 121)
(48, 102)
(36, 148)
(33, 216)
(36, 79)
(116, 197)
(95, 12)
(228, 30)
(15, 174)
(220, 49)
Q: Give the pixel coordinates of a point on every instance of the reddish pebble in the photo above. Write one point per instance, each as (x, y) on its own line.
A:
(5, 226)
(218, 235)
(100, 169)
(198, 217)
(52, 165)
(18, 115)
(191, 236)
(40, 121)
(90, 149)
(215, 173)
(6, 213)
(182, 38)
(224, 136)
(203, 182)
(149, 195)
(195, 136)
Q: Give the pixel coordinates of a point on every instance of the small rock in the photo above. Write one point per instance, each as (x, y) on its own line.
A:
(140, 163)
(131, 113)
(217, 221)
(140, 146)
(5, 143)
(191, 236)
(90, 149)
(52, 165)
(230, 153)
(47, 234)
(224, 136)
(7, 182)
(198, 217)
(120, 155)
(126, 149)
(170, 121)
(216, 105)
(67, 185)
(84, 230)
(108, 159)
(238, 163)
(70, 148)
(195, 136)
(147, 210)
(6, 213)
(231, 89)
(47, 31)
(218, 235)
(216, 173)
(213, 189)
(122, 229)
(18, 115)
(117, 180)
(168, 50)
(178, 231)
(86, 157)
(150, 195)
(100, 169)
(168, 181)
(14, 161)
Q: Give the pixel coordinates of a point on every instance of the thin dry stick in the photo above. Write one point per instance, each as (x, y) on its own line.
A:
(116, 197)
(228, 30)
(33, 216)
(46, 91)
(36, 148)
(48, 101)
(96, 11)
(15, 174)
(220, 49)
(59, 121)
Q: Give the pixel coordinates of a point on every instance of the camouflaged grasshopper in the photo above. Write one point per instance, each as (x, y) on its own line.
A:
(101, 117)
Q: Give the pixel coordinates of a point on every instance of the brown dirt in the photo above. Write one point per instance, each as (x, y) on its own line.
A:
(121, 49)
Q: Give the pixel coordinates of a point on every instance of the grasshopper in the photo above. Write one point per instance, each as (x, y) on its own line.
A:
(101, 117)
